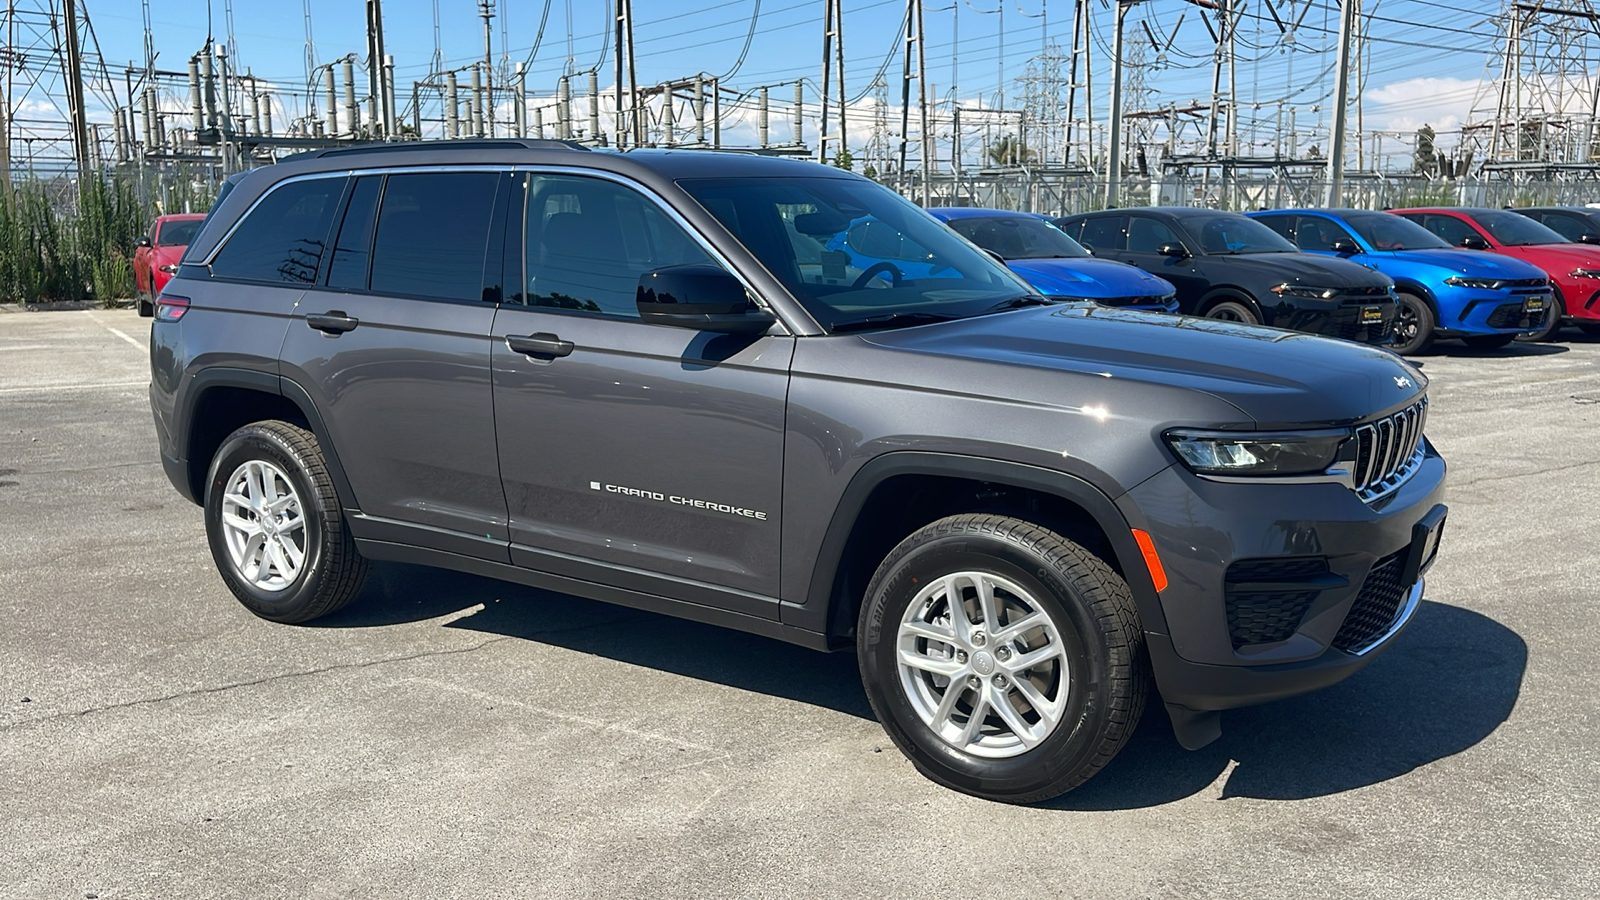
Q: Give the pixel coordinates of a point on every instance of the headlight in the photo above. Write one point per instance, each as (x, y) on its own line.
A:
(1308, 292)
(1488, 284)
(1586, 273)
(169, 268)
(1233, 453)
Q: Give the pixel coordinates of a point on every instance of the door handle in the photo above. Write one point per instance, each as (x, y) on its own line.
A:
(333, 322)
(542, 345)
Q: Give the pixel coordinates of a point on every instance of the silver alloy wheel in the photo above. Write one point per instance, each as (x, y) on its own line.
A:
(264, 526)
(983, 664)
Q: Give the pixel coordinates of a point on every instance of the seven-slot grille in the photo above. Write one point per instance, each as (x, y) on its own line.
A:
(1387, 450)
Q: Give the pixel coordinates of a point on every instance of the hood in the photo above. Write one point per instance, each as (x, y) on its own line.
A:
(1276, 378)
(1089, 279)
(1552, 257)
(1306, 268)
(1473, 263)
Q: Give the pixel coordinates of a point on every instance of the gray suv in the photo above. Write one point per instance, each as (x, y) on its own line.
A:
(777, 397)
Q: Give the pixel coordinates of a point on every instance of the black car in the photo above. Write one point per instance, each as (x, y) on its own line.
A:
(1228, 266)
(1575, 223)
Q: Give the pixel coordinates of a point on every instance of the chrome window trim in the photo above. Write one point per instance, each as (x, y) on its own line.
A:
(529, 169)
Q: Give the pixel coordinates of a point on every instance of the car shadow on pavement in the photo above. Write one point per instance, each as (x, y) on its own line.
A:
(399, 593)
(1446, 684)
(1509, 351)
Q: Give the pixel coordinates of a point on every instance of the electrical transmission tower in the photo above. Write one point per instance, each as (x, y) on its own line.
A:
(1546, 99)
(52, 66)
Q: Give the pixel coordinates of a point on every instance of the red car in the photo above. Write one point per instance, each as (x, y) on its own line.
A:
(1574, 268)
(157, 255)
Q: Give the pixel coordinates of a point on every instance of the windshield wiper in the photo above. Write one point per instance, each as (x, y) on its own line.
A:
(889, 320)
(1020, 302)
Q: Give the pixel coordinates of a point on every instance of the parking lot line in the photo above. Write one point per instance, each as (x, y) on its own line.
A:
(73, 387)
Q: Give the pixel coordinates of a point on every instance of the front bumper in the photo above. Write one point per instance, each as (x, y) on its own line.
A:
(1366, 320)
(1470, 311)
(1233, 642)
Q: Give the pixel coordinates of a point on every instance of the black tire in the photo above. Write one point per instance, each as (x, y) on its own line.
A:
(146, 306)
(1089, 607)
(1552, 322)
(1592, 329)
(1488, 341)
(1233, 311)
(332, 571)
(1413, 325)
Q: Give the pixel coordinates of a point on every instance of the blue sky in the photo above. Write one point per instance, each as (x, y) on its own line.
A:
(1425, 63)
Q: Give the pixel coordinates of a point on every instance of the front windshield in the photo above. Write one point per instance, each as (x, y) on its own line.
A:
(855, 253)
(1018, 237)
(1227, 234)
(1387, 232)
(1515, 229)
(179, 233)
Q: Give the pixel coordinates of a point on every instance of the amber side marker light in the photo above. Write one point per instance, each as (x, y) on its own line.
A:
(1158, 575)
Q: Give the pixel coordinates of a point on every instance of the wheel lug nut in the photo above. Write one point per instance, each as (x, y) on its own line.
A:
(961, 656)
(999, 681)
(978, 639)
(1002, 654)
(973, 681)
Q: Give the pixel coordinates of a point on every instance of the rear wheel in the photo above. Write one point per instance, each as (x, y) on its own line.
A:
(1487, 341)
(1233, 311)
(1003, 660)
(1552, 323)
(276, 527)
(1413, 325)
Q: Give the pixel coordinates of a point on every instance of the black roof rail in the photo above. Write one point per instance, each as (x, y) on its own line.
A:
(463, 144)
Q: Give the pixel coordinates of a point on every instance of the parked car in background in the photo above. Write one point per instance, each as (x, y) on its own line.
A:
(157, 255)
(1580, 224)
(1443, 292)
(1056, 265)
(1573, 269)
(1227, 266)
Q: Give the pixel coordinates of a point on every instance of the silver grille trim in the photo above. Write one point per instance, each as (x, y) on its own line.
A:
(1388, 451)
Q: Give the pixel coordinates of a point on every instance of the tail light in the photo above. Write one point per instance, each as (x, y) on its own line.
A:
(170, 308)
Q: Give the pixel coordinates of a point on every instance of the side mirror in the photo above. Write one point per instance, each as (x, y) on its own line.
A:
(701, 297)
(1346, 247)
(1473, 242)
(143, 242)
(1589, 237)
(1174, 250)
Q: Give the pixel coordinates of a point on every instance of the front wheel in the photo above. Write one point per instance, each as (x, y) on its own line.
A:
(1413, 325)
(1233, 311)
(1004, 660)
(276, 527)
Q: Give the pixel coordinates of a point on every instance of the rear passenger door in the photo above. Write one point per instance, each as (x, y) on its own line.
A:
(393, 347)
(639, 455)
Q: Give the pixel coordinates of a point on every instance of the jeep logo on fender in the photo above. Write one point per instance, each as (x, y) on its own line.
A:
(680, 501)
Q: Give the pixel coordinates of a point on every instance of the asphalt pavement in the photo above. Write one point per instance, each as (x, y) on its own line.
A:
(450, 736)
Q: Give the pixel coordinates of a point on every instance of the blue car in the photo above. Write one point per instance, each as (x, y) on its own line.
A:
(1484, 299)
(1056, 265)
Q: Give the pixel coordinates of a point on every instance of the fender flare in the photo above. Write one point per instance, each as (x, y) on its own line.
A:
(817, 610)
(1229, 293)
(266, 383)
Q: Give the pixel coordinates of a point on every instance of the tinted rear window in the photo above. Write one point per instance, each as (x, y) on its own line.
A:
(433, 231)
(353, 248)
(282, 238)
(178, 234)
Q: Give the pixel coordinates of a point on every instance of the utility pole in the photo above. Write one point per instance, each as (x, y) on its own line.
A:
(633, 76)
(486, 10)
(927, 148)
(1114, 156)
(376, 81)
(73, 62)
(832, 56)
(1341, 99)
